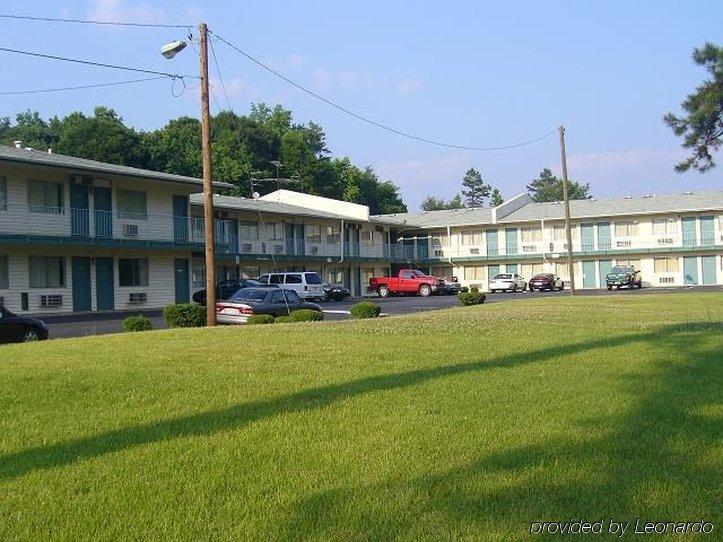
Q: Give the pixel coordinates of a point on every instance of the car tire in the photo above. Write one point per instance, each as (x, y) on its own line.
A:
(610, 288)
(425, 290)
(640, 285)
(384, 291)
(30, 335)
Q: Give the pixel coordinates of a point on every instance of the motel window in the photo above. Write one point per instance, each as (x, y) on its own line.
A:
(476, 272)
(442, 272)
(132, 205)
(440, 240)
(313, 233)
(133, 272)
(561, 270)
(198, 274)
(273, 230)
(47, 272)
(532, 269)
(335, 275)
(558, 232)
(333, 235)
(4, 273)
(366, 274)
(531, 234)
(666, 265)
(45, 197)
(626, 229)
(471, 238)
(3, 193)
(250, 271)
(248, 230)
(665, 226)
(366, 236)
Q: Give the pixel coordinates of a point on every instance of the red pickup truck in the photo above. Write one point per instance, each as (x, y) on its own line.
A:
(407, 281)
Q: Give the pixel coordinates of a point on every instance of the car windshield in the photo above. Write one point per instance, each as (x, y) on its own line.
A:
(417, 273)
(622, 269)
(249, 294)
(503, 276)
(313, 278)
(542, 276)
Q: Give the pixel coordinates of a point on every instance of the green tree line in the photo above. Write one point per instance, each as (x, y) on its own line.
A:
(243, 148)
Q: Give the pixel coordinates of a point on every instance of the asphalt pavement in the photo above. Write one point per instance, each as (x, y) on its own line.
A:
(102, 323)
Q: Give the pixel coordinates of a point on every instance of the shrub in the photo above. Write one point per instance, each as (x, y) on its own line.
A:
(260, 319)
(474, 289)
(365, 309)
(283, 320)
(137, 323)
(473, 297)
(184, 315)
(306, 315)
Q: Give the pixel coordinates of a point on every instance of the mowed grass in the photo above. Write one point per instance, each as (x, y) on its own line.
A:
(467, 423)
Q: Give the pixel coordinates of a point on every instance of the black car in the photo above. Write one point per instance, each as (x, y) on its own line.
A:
(226, 289)
(624, 275)
(335, 292)
(449, 287)
(250, 301)
(546, 281)
(17, 329)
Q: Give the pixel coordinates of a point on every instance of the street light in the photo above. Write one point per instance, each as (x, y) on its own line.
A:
(169, 51)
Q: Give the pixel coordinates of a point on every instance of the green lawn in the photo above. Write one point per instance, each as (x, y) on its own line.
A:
(467, 423)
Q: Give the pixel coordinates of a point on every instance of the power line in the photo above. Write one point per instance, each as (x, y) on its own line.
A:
(90, 21)
(373, 122)
(91, 63)
(80, 87)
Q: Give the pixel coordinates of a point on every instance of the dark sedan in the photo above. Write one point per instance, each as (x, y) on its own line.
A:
(546, 281)
(335, 292)
(226, 289)
(249, 301)
(17, 329)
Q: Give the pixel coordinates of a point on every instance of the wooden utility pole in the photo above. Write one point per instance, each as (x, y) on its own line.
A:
(565, 195)
(207, 183)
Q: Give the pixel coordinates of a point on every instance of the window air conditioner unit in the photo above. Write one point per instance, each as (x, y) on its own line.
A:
(314, 249)
(137, 298)
(474, 251)
(51, 301)
(528, 248)
(667, 280)
(552, 247)
(439, 253)
(665, 241)
(263, 248)
(130, 230)
(623, 243)
(247, 247)
(278, 249)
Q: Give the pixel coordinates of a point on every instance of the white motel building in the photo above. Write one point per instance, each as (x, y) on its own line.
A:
(79, 235)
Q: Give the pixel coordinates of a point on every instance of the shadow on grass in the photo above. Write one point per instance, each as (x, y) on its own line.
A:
(659, 462)
(205, 423)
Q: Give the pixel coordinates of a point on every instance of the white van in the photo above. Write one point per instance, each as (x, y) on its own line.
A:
(307, 284)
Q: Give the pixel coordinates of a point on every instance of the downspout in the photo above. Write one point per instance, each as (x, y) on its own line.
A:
(449, 236)
(342, 241)
(542, 227)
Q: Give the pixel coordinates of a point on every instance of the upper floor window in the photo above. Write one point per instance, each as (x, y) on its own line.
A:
(45, 197)
(440, 240)
(665, 226)
(133, 272)
(558, 232)
(132, 205)
(333, 234)
(313, 233)
(3, 193)
(248, 229)
(471, 238)
(366, 236)
(531, 234)
(47, 272)
(626, 229)
(273, 230)
(4, 273)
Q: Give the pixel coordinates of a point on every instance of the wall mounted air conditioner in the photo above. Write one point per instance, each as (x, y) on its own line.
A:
(667, 280)
(665, 241)
(130, 230)
(314, 249)
(623, 243)
(474, 251)
(247, 247)
(278, 249)
(137, 298)
(49, 301)
(529, 248)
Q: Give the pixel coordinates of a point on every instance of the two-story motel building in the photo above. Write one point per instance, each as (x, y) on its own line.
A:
(79, 235)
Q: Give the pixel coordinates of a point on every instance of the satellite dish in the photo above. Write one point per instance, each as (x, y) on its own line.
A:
(256, 195)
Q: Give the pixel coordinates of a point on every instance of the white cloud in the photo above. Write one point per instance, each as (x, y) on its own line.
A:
(346, 79)
(409, 85)
(120, 11)
(234, 87)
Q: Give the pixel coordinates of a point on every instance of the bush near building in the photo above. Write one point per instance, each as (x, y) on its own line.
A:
(260, 319)
(185, 315)
(137, 323)
(365, 309)
(473, 297)
(283, 320)
(307, 315)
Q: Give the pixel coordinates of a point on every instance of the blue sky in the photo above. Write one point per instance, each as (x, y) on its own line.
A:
(468, 72)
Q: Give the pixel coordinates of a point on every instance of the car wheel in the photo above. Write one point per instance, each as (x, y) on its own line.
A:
(640, 285)
(383, 291)
(30, 335)
(514, 288)
(425, 290)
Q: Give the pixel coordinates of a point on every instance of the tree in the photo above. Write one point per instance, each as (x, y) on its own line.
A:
(496, 198)
(477, 190)
(548, 187)
(431, 203)
(702, 125)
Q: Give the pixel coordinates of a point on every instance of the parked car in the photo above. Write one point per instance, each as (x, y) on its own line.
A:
(17, 329)
(624, 275)
(546, 281)
(449, 287)
(225, 289)
(308, 284)
(249, 301)
(507, 282)
(407, 281)
(335, 292)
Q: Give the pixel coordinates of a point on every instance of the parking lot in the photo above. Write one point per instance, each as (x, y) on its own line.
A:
(97, 324)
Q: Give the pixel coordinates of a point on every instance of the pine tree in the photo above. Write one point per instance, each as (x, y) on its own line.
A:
(477, 190)
(548, 187)
(496, 198)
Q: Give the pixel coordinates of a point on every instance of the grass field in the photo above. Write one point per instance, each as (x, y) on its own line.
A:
(467, 423)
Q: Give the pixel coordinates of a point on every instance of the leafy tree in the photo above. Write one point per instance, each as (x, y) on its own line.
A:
(496, 198)
(431, 203)
(702, 125)
(548, 187)
(476, 189)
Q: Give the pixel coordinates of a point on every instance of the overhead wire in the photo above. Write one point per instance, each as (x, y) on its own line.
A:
(80, 87)
(90, 21)
(371, 121)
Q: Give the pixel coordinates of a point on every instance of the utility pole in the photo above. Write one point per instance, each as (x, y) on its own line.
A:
(207, 183)
(565, 195)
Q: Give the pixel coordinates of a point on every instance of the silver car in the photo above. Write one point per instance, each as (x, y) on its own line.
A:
(507, 282)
